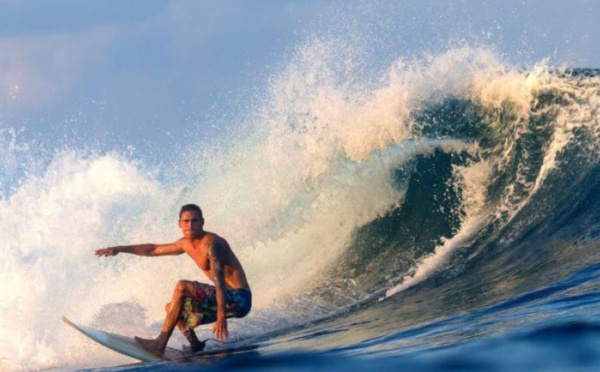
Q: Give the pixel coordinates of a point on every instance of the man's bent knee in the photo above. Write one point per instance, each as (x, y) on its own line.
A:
(184, 288)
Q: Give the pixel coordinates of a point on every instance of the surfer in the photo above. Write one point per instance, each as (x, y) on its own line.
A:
(195, 303)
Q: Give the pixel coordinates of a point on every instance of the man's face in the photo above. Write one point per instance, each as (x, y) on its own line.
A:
(190, 224)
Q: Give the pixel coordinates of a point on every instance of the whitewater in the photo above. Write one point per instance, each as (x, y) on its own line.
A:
(439, 213)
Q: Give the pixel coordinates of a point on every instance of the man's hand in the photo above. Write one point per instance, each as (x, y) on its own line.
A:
(220, 329)
(107, 252)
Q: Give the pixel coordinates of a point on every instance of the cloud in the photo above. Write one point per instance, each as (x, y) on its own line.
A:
(33, 17)
(47, 49)
(36, 71)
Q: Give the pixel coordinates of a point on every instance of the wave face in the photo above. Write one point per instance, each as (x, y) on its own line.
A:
(441, 188)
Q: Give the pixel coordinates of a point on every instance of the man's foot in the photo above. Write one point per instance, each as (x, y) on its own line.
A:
(195, 347)
(153, 346)
(195, 344)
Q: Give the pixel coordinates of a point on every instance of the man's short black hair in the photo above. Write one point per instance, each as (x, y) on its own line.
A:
(191, 208)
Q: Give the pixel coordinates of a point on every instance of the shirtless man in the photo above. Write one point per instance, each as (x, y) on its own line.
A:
(197, 303)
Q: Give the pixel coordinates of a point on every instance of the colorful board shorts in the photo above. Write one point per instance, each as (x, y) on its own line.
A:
(202, 307)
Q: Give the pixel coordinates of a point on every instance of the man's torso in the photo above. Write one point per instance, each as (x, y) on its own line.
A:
(198, 249)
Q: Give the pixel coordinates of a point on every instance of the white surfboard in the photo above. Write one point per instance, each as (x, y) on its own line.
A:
(124, 345)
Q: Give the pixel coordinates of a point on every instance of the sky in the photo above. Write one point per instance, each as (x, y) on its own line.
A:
(144, 73)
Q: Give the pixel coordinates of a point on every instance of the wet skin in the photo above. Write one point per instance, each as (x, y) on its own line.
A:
(214, 257)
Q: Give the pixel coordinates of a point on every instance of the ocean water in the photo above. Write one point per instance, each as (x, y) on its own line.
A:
(441, 214)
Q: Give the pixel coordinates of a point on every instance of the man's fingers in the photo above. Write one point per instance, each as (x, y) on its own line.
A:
(224, 333)
(220, 331)
(220, 334)
(104, 252)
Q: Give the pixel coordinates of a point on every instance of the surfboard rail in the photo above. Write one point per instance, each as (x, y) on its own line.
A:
(122, 344)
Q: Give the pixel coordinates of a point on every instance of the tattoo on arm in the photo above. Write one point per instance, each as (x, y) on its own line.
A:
(216, 264)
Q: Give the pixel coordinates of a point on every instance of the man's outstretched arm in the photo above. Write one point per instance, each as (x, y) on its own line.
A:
(142, 250)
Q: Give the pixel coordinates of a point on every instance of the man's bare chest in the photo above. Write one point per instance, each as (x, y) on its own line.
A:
(200, 256)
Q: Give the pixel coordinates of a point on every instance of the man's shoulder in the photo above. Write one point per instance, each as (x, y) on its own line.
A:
(215, 241)
(179, 242)
(212, 237)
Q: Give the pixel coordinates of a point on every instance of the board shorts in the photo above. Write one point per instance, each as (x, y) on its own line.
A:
(202, 307)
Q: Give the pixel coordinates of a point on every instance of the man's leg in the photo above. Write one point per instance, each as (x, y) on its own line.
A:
(158, 345)
(195, 344)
